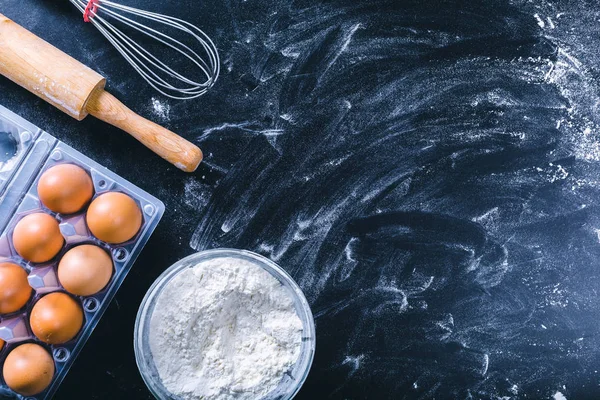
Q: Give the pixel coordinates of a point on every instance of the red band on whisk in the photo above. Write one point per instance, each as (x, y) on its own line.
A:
(90, 10)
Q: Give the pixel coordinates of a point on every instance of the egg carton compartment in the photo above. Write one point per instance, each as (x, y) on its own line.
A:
(15, 142)
(21, 199)
(15, 328)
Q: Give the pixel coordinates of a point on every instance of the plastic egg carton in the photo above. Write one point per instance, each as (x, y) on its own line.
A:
(36, 151)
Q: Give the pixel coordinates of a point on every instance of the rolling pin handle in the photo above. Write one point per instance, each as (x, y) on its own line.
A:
(184, 155)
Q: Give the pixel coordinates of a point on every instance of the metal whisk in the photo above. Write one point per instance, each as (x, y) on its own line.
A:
(106, 15)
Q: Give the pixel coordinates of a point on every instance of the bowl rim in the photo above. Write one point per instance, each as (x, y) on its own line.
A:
(304, 312)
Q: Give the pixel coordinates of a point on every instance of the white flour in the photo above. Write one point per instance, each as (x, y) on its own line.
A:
(225, 329)
(162, 110)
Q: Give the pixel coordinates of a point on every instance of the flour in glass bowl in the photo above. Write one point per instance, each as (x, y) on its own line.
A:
(224, 329)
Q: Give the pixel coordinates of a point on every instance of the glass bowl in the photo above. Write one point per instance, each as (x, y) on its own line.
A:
(291, 381)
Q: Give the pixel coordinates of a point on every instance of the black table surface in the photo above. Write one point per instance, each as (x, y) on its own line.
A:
(428, 172)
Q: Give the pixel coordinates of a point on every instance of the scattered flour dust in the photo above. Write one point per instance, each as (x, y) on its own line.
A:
(559, 396)
(160, 109)
(573, 81)
(224, 329)
(196, 194)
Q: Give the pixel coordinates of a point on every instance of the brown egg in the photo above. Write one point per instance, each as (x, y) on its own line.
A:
(85, 270)
(56, 318)
(65, 188)
(37, 237)
(14, 287)
(114, 217)
(28, 369)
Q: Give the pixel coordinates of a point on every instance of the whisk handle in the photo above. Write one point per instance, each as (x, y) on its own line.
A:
(184, 155)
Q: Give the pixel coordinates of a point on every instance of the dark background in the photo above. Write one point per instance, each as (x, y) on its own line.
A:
(427, 171)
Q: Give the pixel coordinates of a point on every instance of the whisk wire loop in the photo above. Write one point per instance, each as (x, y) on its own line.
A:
(162, 77)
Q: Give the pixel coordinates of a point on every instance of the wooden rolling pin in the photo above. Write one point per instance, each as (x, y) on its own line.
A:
(78, 91)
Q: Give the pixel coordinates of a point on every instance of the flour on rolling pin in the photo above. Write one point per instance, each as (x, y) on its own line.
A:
(78, 91)
(45, 70)
(55, 94)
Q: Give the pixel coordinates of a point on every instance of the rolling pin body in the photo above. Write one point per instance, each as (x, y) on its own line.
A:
(78, 90)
